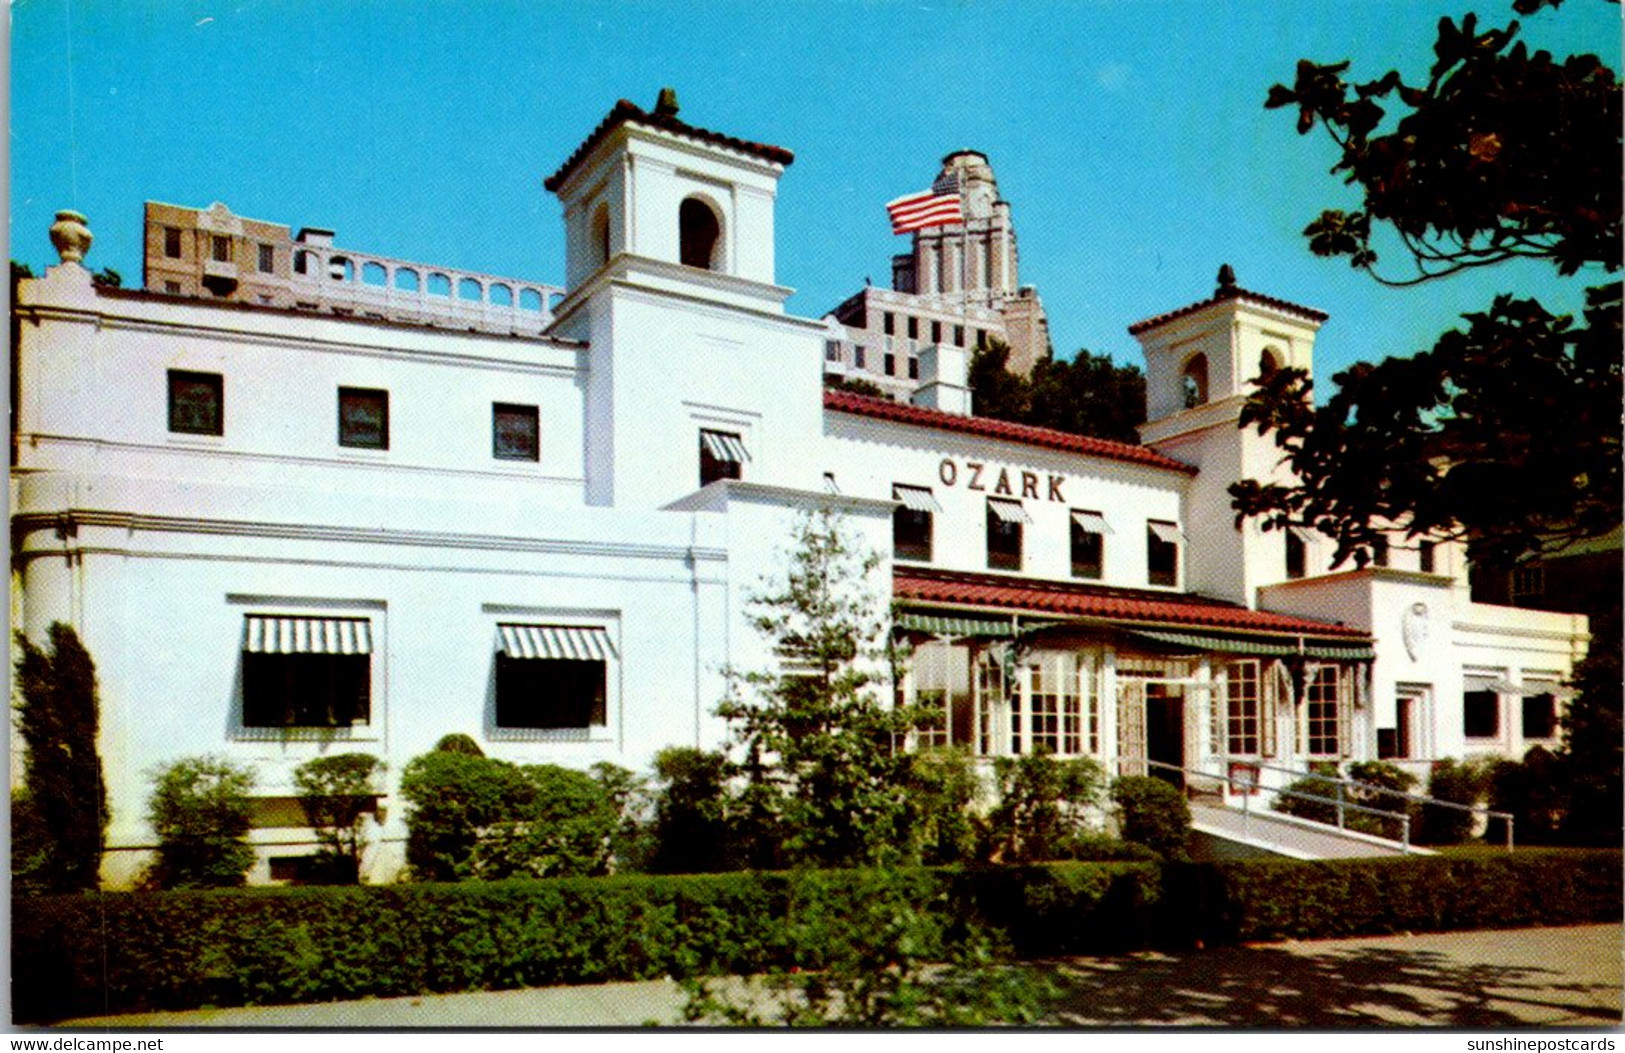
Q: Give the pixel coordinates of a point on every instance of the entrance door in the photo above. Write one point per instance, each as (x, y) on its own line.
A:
(1165, 730)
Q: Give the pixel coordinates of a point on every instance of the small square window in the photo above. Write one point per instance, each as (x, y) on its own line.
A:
(1480, 714)
(550, 693)
(267, 259)
(172, 243)
(222, 248)
(196, 403)
(515, 432)
(722, 456)
(1540, 716)
(364, 418)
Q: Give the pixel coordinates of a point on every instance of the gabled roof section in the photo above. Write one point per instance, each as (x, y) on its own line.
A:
(1225, 293)
(1140, 607)
(987, 427)
(628, 112)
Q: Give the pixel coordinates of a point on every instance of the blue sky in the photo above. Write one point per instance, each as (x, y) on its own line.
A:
(1128, 135)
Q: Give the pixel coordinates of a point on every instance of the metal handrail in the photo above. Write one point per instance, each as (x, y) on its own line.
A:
(1421, 798)
(1246, 802)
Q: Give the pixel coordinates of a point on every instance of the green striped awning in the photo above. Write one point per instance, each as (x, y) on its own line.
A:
(944, 625)
(284, 634)
(573, 642)
(1276, 647)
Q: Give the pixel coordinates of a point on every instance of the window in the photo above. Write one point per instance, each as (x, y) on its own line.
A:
(1243, 710)
(1162, 553)
(936, 332)
(981, 339)
(1194, 381)
(172, 288)
(172, 243)
(1425, 556)
(860, 357)
(364, 418)
(1322, 713)
(913, 369)
(1480, 708)
(1539, 714)
(305, 672)
(913, 328)
(699, 233)
(912, 522)
(267, 259)
(1528, 584)
(1295, 549)
(552, 676)
(722, 456)
(1379, 551)
(1088, 543)
(891, 364)
(832, 350)
(1004, 522)
(196, 403)
(959, 336)
(221, 248)
(515, 432)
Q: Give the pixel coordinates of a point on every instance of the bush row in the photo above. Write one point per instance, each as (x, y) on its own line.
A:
(129, 952)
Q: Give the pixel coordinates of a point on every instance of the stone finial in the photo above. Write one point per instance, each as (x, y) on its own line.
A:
(1227, 280)
(70, 236)
(666, 104)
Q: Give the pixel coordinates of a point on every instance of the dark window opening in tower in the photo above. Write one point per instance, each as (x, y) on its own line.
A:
(699, 234)
(1194, 381)
(600, 233)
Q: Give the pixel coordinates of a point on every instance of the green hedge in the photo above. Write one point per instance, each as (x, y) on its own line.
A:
(128, 952)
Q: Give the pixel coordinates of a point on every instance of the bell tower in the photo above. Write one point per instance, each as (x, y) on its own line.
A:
(1201, 362)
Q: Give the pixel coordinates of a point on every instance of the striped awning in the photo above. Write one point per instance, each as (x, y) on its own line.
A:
(724, 447)
(942, 625)
(916, 498)
(1009, 511)
(1276, 647)
(275, 634)
(1091, 522)
(574, 642)
(1165, 532)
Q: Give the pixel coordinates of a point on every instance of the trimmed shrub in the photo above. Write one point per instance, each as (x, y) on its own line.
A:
(1153, 813)
(81, 955)
(457, 742)
(337, 793)
(1043, 805)
(943, 789)
(1535, 792)
(200, 810)
(1462, 782)
(692, 813)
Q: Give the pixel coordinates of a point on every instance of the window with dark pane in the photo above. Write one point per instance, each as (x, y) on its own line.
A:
(549, 693)
(306, 690)
(196, 403)
(364, 418)
(515, 432)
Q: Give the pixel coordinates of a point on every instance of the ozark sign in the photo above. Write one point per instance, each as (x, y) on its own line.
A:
(979, 476)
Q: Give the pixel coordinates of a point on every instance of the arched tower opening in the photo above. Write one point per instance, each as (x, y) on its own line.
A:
(699, 235)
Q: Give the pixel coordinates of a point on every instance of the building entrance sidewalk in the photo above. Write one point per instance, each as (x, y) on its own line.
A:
(1556, 977)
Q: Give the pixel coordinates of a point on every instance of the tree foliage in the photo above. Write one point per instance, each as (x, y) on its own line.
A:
(201, 812)
(1506, 434)
(62, 775)
(337, 793)
(1043, 806)
(820, 750)
(1090, 395)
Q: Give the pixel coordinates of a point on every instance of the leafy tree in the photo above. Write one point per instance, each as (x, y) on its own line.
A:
(856, 386)
(1043, 806)
(453, 798)
(337, 793)
(1591, 745)
(200, 810)
(1091, 395)
(1153, 813)
(1507, 433)
(693, 813)
(943, 789)
(1459, 782)
(821, 752)
(631, 844)
(62, 775)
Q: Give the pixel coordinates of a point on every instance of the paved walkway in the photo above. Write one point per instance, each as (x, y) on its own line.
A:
(1560, 977)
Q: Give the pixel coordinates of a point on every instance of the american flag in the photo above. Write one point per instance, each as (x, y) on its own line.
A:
(937, 207)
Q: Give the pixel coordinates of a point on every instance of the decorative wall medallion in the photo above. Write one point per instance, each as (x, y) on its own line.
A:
(1414, 629)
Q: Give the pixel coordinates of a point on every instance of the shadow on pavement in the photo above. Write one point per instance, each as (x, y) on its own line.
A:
(1355, 987)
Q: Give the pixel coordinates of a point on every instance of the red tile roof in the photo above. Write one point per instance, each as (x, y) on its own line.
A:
(1027, 434)
(1141, 606)
(1230, 293)
(625, 111)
